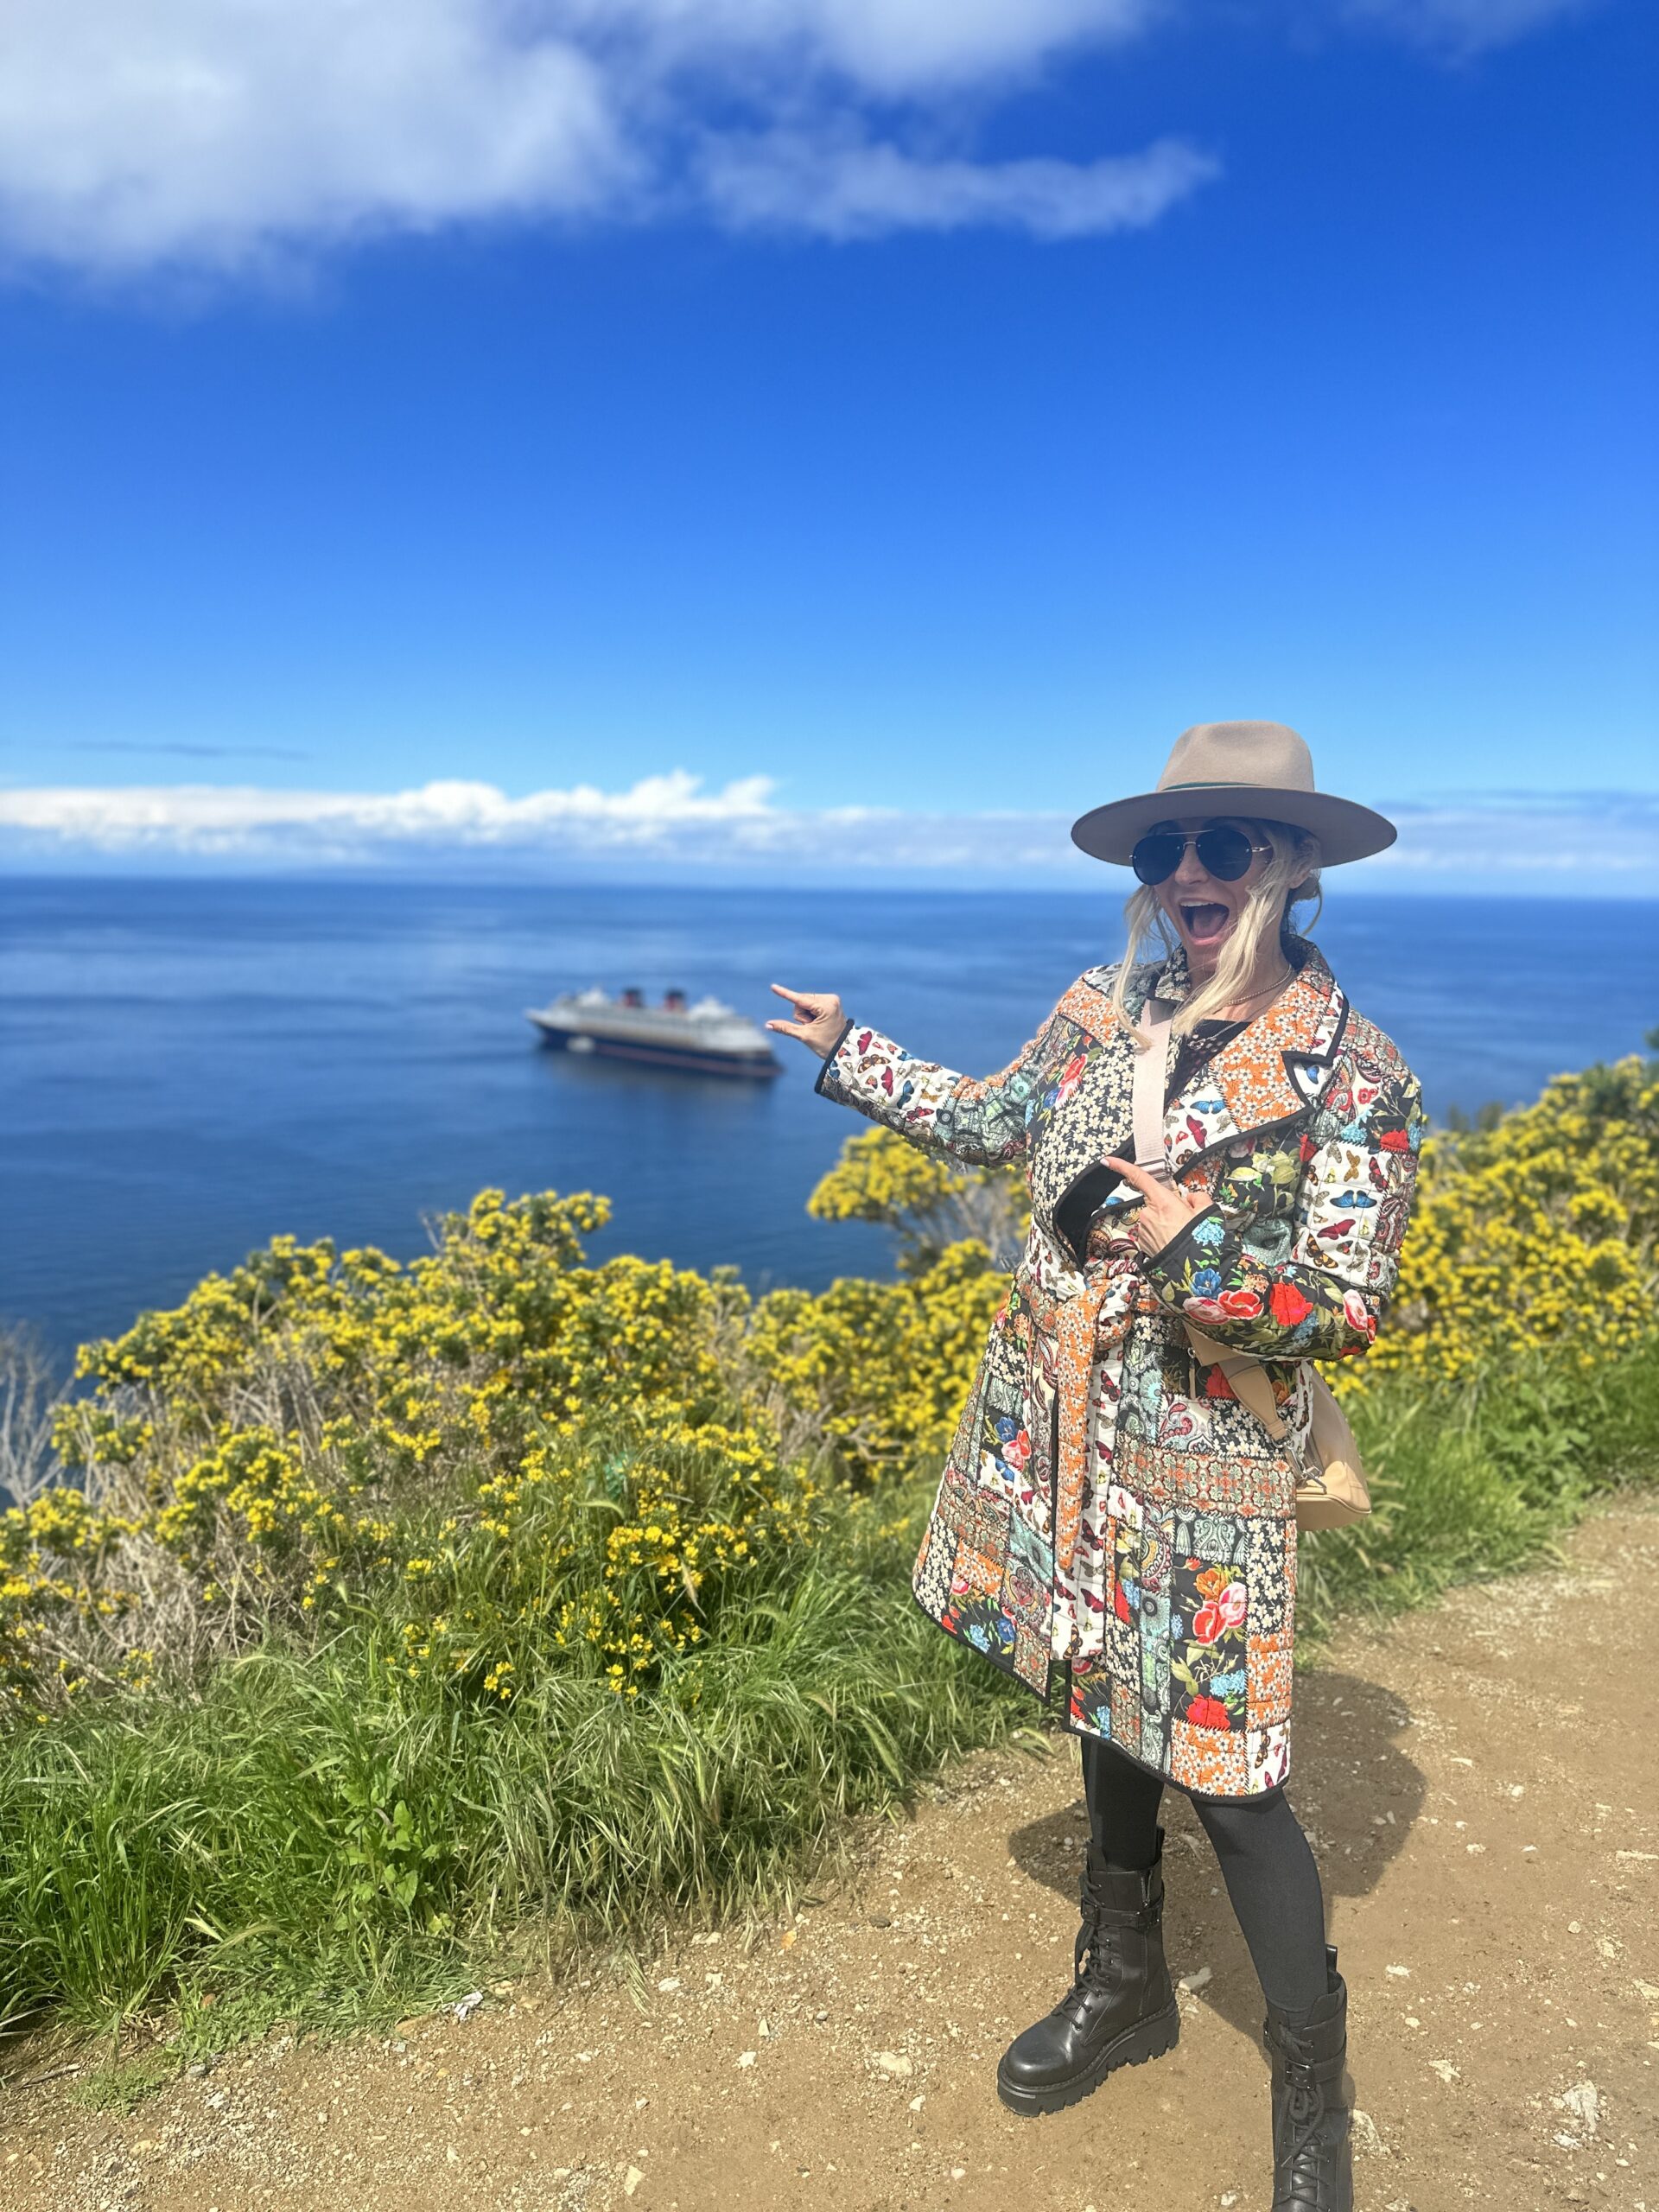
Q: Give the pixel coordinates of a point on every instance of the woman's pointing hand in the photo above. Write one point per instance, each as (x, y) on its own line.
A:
(1165, 1210)
(820, 1019)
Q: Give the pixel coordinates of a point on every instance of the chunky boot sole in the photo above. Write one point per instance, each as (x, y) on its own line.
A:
(1146, 2039)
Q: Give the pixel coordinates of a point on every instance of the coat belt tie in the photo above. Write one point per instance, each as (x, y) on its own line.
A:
(1085, 1331)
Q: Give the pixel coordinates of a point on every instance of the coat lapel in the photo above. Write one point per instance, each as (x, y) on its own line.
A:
(1271, 1073)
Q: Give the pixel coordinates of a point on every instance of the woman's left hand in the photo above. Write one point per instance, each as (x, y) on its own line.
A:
(1165, 1209)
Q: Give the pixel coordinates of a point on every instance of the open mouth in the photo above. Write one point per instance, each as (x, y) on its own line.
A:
(1206, 920)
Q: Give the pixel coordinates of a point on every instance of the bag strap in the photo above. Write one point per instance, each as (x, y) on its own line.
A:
(1244, 1372)
(1151, 1074)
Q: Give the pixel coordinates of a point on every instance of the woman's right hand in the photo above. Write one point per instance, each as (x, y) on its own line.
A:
(819, 1019)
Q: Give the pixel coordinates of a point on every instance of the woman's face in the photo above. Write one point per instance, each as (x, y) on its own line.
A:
(1203, 908)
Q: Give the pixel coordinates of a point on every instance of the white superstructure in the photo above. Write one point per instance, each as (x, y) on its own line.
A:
(708, 1035)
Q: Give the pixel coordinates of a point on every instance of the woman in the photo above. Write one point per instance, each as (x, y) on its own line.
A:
(1112, 1520)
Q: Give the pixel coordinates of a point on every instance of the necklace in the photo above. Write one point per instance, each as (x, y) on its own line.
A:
(1266, 995)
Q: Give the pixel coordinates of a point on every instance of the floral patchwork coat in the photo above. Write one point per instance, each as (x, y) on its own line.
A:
(1113, 1525)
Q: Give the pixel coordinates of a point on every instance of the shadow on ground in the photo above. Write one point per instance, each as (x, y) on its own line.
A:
(1355, 1790)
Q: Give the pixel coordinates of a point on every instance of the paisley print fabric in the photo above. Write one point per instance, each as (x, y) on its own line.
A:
(1112, 1526)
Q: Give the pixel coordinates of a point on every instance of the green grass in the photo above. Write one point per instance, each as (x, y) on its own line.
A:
(1470, 1481)
(313, 1839)
(126, 2083)
(312, 1836)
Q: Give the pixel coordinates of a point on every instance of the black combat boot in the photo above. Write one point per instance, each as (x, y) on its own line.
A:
(1312, 2103)
(1121, 2008)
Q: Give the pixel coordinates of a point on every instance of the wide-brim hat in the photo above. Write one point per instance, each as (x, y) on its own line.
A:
(1262, 772)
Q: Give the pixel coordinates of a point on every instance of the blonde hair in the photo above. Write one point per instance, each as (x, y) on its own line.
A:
(1291, 876)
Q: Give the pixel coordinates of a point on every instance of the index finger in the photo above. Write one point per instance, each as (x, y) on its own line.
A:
(1137, 1177)
(795, 998)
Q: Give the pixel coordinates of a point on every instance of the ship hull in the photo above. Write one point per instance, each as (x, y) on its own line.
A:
(689, 1057)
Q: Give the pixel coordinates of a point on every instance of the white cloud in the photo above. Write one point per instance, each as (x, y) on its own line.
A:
(848, 188)
(219, 133)
(1464, 27)
(207, 130)
(220, 819)
(1588, 843)
(661, 819)
(886, 47)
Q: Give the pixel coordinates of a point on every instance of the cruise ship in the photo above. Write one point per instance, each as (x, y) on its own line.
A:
(709, 1037)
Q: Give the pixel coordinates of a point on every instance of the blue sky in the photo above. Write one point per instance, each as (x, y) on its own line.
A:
(812, 427)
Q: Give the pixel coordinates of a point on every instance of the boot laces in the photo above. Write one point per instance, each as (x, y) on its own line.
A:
(1303, 2153)
(1103, 1968)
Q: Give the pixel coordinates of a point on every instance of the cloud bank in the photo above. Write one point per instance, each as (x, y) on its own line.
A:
(227, 135)
(219, 133)
(1595, 843)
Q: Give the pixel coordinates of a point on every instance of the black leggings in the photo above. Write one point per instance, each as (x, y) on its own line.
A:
(1266, 1863)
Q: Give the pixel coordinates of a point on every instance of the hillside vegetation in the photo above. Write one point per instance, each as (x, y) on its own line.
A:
(366, 1618)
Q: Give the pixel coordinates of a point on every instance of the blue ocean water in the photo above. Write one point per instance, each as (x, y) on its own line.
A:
(190, 1067)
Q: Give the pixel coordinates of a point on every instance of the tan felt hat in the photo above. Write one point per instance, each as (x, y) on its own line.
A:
(1260, 771)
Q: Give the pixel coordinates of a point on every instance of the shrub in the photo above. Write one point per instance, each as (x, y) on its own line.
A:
(930, 1204)
(1534, 1233)
(495, 1437)
(880, 1368)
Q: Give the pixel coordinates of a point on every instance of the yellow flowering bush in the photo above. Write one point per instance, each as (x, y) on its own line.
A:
(518, 1446)
(1536, 1233)
(930, 1204)
(55, 1592)
(882, 1367)
(615, 1550)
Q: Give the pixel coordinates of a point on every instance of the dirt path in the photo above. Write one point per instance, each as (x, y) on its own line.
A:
(1498, 1914)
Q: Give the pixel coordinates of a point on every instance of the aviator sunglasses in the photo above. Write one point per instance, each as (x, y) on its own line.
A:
(1223, 851)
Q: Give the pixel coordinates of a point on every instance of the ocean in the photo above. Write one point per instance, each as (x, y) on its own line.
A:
(193, 1067)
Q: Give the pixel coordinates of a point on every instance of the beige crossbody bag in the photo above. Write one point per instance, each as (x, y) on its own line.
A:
(1330, 1489)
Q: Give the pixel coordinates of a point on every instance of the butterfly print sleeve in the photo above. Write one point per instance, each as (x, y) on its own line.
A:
(1325, 1299)
(981, 1123)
